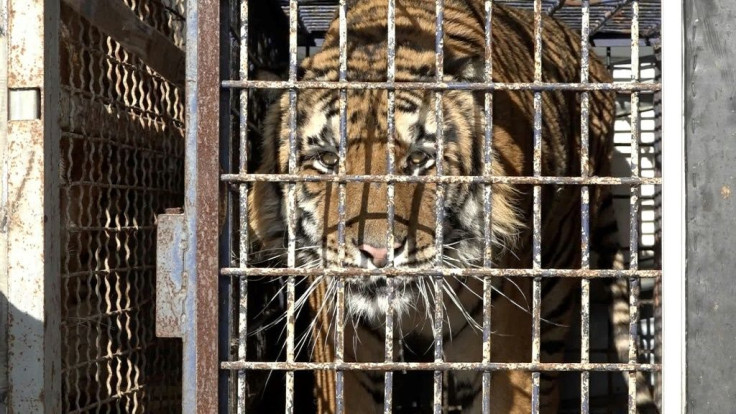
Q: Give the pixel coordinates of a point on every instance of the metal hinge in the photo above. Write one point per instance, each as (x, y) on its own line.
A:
(171, 283)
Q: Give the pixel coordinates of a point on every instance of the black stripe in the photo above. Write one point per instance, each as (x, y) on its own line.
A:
(552, 347)
(548, 284)
(564, 306)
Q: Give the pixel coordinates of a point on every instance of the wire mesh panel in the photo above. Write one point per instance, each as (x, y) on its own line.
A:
(121, 165)
(305, 304)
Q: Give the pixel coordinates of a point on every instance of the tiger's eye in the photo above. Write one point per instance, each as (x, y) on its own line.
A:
(418, 158)
(329, 159)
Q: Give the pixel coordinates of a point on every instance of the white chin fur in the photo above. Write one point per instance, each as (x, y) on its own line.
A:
(373, 309)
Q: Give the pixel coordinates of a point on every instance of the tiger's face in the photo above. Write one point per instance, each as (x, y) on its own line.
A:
(366, 222)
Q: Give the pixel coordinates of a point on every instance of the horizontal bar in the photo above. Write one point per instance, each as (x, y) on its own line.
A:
(439, 366)
(444, 86)
(398, 271)
(449, 179)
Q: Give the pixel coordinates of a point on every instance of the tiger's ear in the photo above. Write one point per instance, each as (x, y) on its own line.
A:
(465, 68)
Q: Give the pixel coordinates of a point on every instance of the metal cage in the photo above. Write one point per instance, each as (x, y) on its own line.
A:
(122, 128)
(248, 46)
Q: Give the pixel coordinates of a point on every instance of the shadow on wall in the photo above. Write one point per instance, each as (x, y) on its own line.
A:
(26, 328)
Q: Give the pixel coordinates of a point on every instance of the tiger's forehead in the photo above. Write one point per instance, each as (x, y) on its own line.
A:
(366, 116)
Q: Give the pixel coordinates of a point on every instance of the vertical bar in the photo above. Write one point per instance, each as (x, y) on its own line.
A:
(291, 205)
(29, 204)
(390, 161)
(200, 366)
(228, 317)
(674, 304)
(585, 209)
(4, 274)
(487, 205)
(439, 205)
(342, 150)
(634, 208)
(243, 207)
(537, 207)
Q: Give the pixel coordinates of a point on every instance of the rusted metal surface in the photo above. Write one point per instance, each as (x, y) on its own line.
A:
(634, 283)
(4, 308)
(388, 378)
(341, 205)
(243, 242)
(537, 208)
(29, 205)
(398, 271)
(487, 204)
(200, 361)
(448, 179)
(442, 366)
(291, 205)
(585, 208)
(443, 86)
(171, 287)
(438, 320)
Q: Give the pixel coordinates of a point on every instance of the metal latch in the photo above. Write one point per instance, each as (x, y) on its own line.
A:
(171, 283)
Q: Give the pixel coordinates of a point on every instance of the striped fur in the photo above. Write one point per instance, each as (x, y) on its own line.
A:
(317, 140)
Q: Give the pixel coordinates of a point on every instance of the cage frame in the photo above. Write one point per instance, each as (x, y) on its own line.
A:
(341, 179)
(195, 262)
(29, 205)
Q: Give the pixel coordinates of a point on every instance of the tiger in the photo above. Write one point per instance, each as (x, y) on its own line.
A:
(366, 219)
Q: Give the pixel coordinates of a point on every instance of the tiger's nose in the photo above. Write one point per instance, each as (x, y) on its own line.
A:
(377, 255)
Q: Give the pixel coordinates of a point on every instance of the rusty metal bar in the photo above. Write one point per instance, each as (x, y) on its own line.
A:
(447, 272)
(439, 203)
(199, 370)
(442, 366)
(342, 151)
(634, 283)
(537, 207)
(291, 204)
(243, 208)
(204, 17)
(30, 265)
(445, 86)
(390, 207)
(585, 208)
(454, 179)
(487, 205)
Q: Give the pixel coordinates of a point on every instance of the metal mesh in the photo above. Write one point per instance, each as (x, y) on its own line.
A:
(637, 188)
(122, 164)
